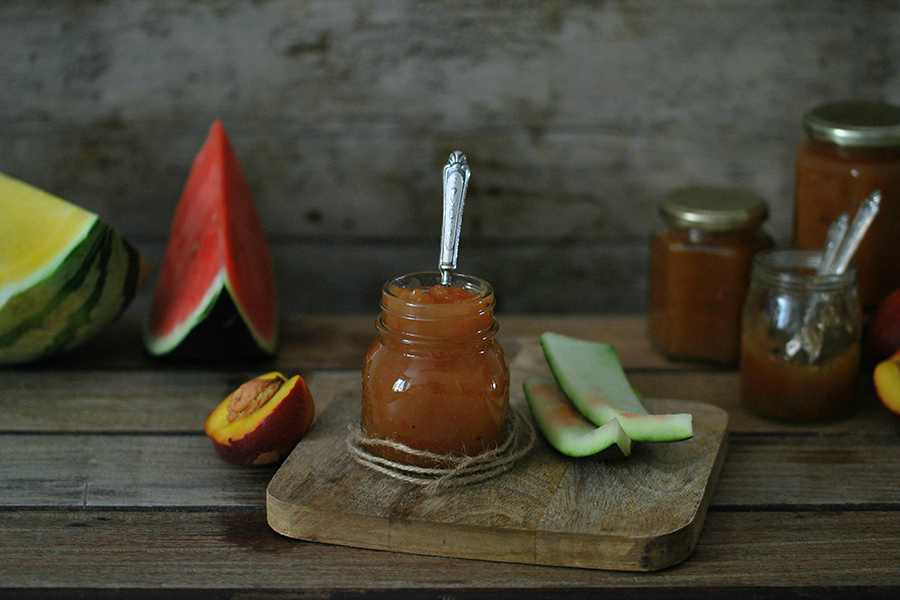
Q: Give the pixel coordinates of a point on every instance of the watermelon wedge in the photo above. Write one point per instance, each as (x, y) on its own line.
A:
(215, 297)
(64, 273)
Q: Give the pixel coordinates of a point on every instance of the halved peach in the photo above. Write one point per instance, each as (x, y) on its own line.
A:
(887, 383)
(261, 421)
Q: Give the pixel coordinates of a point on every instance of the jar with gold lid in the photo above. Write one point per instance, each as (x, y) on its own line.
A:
(700, 266)
(852, 149)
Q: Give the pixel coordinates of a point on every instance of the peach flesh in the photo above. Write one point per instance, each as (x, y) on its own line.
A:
(267, 434)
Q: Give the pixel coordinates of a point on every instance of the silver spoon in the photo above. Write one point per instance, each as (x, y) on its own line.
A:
(456, 180)
(833, 239)
(861, 221)
(841, 243)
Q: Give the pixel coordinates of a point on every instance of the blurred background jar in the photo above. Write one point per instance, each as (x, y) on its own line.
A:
(851, 150)
(700, 269)
(800, 347)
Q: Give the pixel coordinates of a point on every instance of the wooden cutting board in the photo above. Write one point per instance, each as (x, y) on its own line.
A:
(640, 513)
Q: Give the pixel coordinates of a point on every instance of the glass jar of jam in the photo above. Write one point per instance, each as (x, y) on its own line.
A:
(700, 269)
(851, 150)
(435, 380)
(800, 346)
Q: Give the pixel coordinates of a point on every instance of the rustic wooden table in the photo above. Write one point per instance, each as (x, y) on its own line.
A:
(110, 489)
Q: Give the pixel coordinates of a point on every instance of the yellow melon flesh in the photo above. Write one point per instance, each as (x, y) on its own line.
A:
(64, 273)
(37, 232)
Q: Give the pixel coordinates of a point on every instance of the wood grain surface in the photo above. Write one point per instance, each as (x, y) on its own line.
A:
(109, 488)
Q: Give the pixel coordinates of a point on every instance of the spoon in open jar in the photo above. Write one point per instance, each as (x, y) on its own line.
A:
(456, 180)
(841, 243)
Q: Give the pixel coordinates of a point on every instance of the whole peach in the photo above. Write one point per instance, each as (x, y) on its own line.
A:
(884, 328)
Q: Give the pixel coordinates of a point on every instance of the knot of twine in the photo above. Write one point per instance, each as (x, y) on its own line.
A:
(460, 470)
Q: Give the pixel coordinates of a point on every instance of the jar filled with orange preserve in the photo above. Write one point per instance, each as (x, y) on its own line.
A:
(851, 150)
(700, 270)
(436, 380)
(801, 338)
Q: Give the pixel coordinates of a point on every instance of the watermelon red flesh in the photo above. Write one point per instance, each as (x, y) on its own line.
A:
(217, 240)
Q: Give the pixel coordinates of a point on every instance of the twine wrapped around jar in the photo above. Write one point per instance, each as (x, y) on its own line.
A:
(460, 470)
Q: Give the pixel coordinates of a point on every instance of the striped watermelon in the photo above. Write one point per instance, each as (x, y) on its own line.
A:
(215, 298)
(64, 273)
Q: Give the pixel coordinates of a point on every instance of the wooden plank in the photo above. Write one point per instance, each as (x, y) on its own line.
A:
(812, 471)
(852, 553)
(343, 137)
(366, 120)
(132, 401)
(310, 342)
(134, 471)
(722, 388)
(565, 277)
(85, 400)
(340, 341)
(173, 402)
(761, 471)
(627, 332)
(66, 398)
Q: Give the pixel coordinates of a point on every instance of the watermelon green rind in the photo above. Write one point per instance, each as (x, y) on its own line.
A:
(591, 376)
(564, 427)
(73, 298)
(216, 332)
(159, 345)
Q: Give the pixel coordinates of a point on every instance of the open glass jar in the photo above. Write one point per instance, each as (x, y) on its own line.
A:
(800, 343)
(435, 380)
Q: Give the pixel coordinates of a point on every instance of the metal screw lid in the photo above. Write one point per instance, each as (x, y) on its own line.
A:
(857, 123)
(712, 208)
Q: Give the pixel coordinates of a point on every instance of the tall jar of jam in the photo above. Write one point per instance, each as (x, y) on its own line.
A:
(852, 149)
(435, 380)
(800, 349)
(700, 269)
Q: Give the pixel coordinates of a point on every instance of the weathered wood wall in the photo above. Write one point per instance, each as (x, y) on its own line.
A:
(576, 116)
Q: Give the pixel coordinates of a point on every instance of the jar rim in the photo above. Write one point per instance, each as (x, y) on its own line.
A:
(427, 279)
(796, 269)
(714, 209)
(462, 322)
(855, 123)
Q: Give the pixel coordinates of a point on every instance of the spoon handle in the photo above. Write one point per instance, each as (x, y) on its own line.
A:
(861, 221)
(456, 180)
(833, 240)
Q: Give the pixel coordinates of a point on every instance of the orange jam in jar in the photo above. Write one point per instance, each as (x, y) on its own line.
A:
(700, 270)
(435, 380)
(800, 350)
(852, 149)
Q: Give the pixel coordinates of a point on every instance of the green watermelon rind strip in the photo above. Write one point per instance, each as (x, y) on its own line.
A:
(85, 291)
(592, 377)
